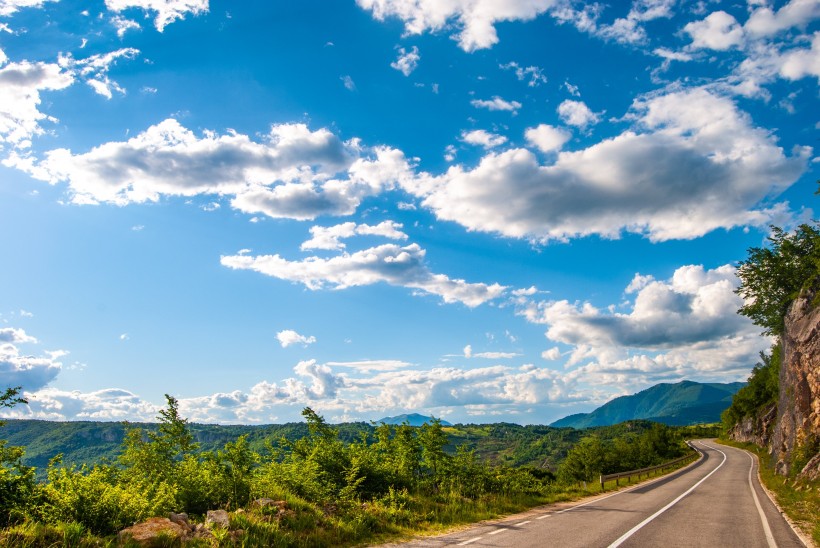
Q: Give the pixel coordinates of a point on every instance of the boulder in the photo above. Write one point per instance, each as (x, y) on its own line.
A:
(148, 532)
(219, 518)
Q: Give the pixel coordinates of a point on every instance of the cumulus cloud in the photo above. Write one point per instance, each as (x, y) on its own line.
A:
(167, 11)
(764, 21)
(329, 237)
(482, 138)
(30, 372)
(15, 336)
(577, 113)
(389, 263)
(685, 326)
(640, 181)
(289, 337)
(407, 61)
(475, 19)
(288, 174)
(21, 85)
(547, 138)
(718, 31)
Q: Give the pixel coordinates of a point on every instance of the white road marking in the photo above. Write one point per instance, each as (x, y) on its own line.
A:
(766, 528)
(496, 531)
(544, 516)
(638, 527)
(523, 523)
(466, 542)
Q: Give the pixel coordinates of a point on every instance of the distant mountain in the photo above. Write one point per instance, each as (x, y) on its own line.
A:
(413, 419)
(683, 403)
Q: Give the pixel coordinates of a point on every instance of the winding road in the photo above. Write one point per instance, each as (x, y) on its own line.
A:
(715, 502)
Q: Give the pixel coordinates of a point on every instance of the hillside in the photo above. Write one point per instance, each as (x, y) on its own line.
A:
(679, 404)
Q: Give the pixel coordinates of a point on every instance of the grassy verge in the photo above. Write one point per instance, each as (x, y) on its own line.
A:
(800, 500)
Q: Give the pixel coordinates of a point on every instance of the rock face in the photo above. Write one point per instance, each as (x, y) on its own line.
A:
(798, 409)
(149, 531)
(757, 430)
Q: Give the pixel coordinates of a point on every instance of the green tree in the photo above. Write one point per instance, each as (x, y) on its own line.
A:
(584, 461)
(773, 276)
(17, 483)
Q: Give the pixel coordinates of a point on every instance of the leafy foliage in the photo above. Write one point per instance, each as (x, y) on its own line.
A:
(16, 480)
(773, 276)
(760, 393)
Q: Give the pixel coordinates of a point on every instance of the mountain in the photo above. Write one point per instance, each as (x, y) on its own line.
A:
(683, 403)
(413, 419)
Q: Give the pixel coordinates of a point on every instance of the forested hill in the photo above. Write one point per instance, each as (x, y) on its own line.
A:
(501, 443)
(683, 403)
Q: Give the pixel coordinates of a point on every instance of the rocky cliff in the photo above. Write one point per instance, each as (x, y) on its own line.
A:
(796, 436)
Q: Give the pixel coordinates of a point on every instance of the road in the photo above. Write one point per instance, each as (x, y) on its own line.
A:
(716, 502)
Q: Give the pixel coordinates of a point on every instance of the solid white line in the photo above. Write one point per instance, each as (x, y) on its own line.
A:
(638, 527)
(466, 542)
(544, 516)
(523, 523)
(766, 528)
(496, 531)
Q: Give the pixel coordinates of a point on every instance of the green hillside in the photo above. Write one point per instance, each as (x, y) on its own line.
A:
(683, 403)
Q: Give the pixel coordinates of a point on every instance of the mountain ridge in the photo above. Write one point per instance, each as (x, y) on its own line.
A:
(679, 404)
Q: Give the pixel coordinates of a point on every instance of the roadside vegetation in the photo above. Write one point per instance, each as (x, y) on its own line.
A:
(318, 490)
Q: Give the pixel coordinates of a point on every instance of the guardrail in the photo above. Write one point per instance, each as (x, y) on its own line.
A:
(647, 471)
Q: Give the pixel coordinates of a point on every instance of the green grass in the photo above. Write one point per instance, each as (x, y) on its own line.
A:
(800, 500)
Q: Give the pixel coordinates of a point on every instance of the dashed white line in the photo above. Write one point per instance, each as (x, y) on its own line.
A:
(466, 542)
(638, 527)
(496, 531)
(523, 523)
(544, 516)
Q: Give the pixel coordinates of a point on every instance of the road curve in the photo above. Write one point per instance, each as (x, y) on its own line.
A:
(717, 501)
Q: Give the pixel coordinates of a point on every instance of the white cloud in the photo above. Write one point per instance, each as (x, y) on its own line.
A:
(20, 87)
(547, 138)
(330, 237)
(482, 138)
(629, 29)
(497, 103)
(407, 61)
(348, 82)
(686, 326)
(9, 7)
(94, 70)
(639, 181)
(167, 11)
(552, 354)
(719, 31)
(288, 174)
(577, 113)
(475, 19)
(15, 336)
(534, 75)
(123, 25)
(389, 263)
(30, 372)
(797, 13)
(289, 337)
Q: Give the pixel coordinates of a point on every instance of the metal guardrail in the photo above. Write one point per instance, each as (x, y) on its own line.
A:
(647, 471)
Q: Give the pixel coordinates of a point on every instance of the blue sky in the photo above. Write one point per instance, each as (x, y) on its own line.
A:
(487, 210)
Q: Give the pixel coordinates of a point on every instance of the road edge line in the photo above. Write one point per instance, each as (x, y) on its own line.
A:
(767, 530)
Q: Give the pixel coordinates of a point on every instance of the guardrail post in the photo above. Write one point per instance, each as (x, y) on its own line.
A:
(602, 482)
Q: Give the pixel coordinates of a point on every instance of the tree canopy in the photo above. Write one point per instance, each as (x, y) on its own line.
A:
(773, 276)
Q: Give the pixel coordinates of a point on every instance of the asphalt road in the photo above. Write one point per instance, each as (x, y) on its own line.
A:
(716, 502)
